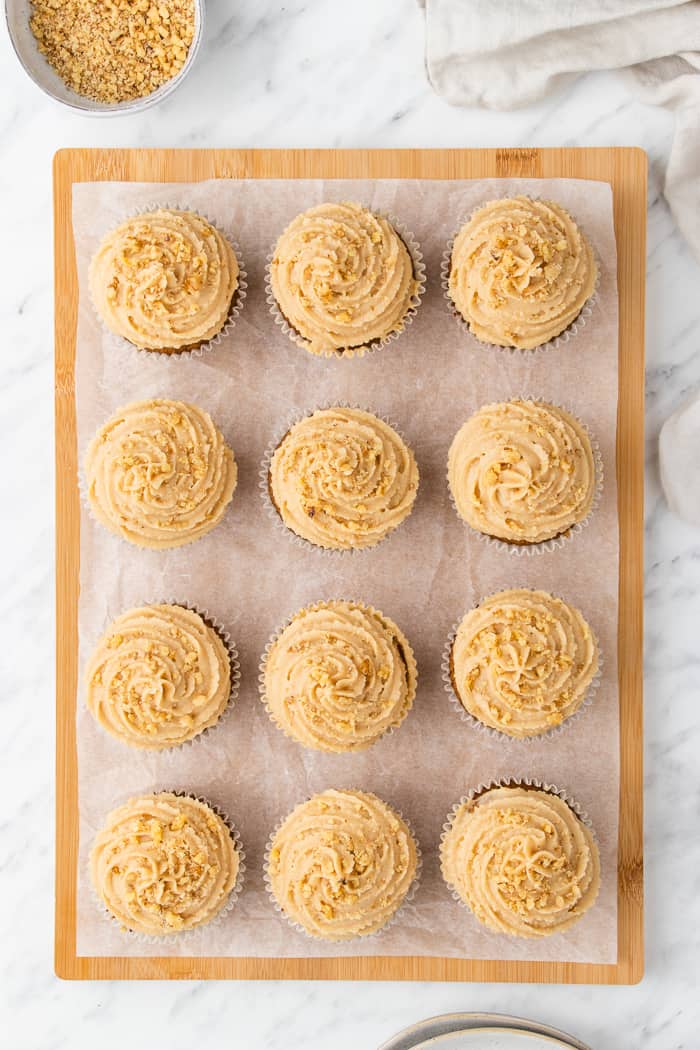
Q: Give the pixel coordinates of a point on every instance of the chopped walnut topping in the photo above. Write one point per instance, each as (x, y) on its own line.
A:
(115, 50)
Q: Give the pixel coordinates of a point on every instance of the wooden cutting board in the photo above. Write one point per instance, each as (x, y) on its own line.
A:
(626, 171)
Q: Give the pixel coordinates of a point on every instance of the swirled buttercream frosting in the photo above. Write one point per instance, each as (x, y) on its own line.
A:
(341, 864)
(342, 478)
(522, 471)
(521, 272)
(338, 676)
(164, 280)
(158, 677)
(522, 861)
(164, 863)
(343, 278)
(522, 662)
(159, 473)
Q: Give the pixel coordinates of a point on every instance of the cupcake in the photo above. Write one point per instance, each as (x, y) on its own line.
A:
(159, 474)
(164, 863)
(521, 860)
(520, 272)
(522, 471)
(338, 676)
(342, 479)
(522, 662)
(158, 677)
(341, 864)
(342, 279)
(165, 281)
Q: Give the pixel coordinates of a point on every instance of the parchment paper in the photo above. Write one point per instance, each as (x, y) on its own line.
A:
(425, 576)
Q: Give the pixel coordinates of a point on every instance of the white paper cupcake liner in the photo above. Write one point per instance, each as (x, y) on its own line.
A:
(482, 788)
(264, 484)
(266, 653)
(239, 296)
(496, 734)
(556, 542)
(366, 938)
(374, 344)
(569, 333)
(137, 937)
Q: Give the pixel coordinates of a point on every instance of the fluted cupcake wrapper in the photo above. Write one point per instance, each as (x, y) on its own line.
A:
(482, 788)
(556, 542)
(274, 637)
(419, 275)
(264, 483)
(135, 936)
(239, 296)
(569, 333)
(497, 734)
(367, 938)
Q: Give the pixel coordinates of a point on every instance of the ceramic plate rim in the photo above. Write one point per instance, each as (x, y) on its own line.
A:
(438, 1040)
(416, 1035)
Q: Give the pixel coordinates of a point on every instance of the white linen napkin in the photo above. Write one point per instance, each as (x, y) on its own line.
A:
(502, 54)
(679, 460)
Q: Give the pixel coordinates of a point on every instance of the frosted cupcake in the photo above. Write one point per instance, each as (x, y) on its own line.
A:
(342, 278)
(159, 677)
(164, 863)
(342, 479)
(522, 662)
(341, 864)
(521, 860)
(522, 471)
(338, 676)
(165, 281)
(520, 272)
(159, 473)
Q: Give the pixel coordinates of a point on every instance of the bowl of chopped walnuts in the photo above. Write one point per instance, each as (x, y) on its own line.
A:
(106, 57)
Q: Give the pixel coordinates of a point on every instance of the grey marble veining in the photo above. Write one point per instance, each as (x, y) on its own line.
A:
(323, 73)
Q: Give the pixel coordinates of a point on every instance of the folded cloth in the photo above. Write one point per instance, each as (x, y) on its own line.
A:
(679, 460)
(502, 54)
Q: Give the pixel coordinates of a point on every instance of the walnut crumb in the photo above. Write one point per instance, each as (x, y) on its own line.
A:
(116, 50)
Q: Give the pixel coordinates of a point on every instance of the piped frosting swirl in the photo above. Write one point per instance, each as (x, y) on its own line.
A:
(338, 676)
(342, 278)
(341, 864)
(159, 473)
(342, 478)
(522, 662)
(158, 677)
(163, 864)
(164, 280)
(521, 272)
(522, 471)
(522, 861)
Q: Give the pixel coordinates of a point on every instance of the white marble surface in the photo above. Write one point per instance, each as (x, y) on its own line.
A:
(323, 73)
